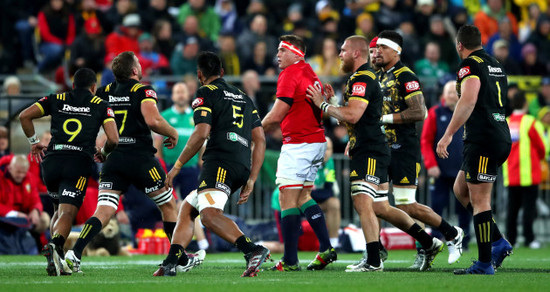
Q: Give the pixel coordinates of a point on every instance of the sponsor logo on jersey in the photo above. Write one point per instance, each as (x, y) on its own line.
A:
(232, 95)
(106, 186)
(68, 194)
(486, 177)
(202, 185)
(412, 86)
(58, 147)
(318, 215)
(110, 112)
(404, 180)
(463, 72)
(499, 117)
(119, 98)
(126, 140)
(223, 187)
(75, 109)
(234, 137)
(353, 173)
(150, 93)
(359, 89)
(150, 190)
(494, 69)
(373, 179)
(197, 102)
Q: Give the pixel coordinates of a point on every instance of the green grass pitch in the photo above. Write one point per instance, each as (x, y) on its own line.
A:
(525, 270)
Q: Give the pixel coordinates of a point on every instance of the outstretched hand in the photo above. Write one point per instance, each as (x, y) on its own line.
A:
(169, 181)
(329, 92)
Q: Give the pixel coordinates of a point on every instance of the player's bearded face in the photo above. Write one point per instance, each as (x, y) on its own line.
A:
(382, 57)
(347, 64)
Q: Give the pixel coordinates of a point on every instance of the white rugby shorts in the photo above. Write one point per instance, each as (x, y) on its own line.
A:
(300, 162)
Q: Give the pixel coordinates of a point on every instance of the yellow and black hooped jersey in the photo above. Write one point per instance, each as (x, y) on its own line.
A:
(363, 86)
(77, 116)
(487, 121)
(232, 116)
(399, 84)
(126, 98)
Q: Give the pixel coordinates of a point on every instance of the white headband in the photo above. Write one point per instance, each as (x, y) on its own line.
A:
(391, 44)
(292, 48)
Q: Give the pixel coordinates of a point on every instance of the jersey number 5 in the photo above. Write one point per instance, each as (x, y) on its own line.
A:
(69, 132)
(238, 116)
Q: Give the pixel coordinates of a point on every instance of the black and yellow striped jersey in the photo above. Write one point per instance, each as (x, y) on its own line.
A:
(126, 98)
(399, 84)
(487, 121)
(76, 117)
(363, 85)
(232, 116)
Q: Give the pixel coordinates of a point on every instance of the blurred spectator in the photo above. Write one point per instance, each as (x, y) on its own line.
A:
(522, 170)
(125, 37)
(488, 17)
(440, 35)
(184, 57)
(541, 38)
(542, 100)
(529, 18)
(458, 16)
(228, 54)
(4, 142)
(162, 32)
(115, 15)
(12, 86)
(229, 19)
(107, 75)
(389, 16)
(180, 116)
(57, 31)
(19, 197)
(152, 62)
(365, 26)
(424, 11)
(328, 29)
(255, 33)
(326, 62)
(530, 64)
(88, 10)
(350, 13)
(505, 33)
(502, 54)
(22, 13)
(157, 10)
(209, 21)
(88, 49)
(411, 42)
(339, 137)
(442, 172)
(260, 61)
(192, 83)
(252, 88)
(431, 66)
(190, 28)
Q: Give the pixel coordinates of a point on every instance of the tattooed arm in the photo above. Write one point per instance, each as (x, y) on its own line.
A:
(416, 111)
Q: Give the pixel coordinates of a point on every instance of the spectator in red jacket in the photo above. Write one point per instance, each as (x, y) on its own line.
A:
(125, 37)
(57, 31)
(19, 196)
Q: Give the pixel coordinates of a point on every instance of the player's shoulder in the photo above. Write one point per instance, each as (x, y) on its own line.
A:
(405, 73)
(210, 88)
(366, 75)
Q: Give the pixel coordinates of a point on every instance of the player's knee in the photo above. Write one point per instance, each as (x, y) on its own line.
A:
(208, 216)
(333, 204)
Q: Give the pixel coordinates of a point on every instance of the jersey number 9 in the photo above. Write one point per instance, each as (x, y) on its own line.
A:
(69, 132)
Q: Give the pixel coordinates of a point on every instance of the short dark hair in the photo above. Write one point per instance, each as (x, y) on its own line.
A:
(209, 64)
(123, 64)
(518, 100)
(84, 78)
(469, 36)
(295, 41)
(393, 36)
